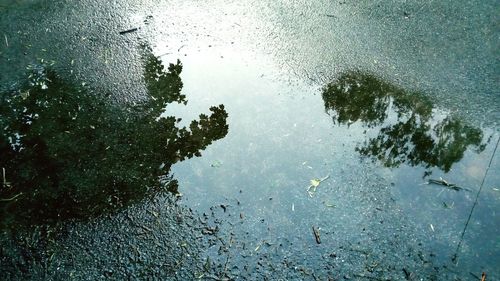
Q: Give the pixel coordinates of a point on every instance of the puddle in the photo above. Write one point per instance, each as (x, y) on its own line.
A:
(282, 135)
(355, 140)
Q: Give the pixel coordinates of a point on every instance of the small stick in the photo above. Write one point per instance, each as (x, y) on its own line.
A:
(316, 235)
(178, 50)
(128, 31)
(12, 198)
(6, 41)
(5, 182)
(474, 275)
(443, 182)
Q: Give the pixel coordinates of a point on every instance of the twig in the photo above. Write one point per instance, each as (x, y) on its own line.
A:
(6, 41)
(12, 198)
(475, 276)
(178, 50)
(128, 31)
(3, 177)
(316, 234)
(443, 182)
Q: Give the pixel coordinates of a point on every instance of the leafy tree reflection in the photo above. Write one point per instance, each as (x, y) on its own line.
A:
(66, 153)
(410, 132)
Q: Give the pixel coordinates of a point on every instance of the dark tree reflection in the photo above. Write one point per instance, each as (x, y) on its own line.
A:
(67, 153)
(411, 131)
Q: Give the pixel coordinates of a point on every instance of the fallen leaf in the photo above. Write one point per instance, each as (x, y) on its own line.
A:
(315, 182)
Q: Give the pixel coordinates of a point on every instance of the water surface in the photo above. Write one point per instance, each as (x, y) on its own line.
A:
(339, 114)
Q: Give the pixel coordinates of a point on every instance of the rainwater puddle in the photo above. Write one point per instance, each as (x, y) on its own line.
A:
(328, 168)
(352, 159)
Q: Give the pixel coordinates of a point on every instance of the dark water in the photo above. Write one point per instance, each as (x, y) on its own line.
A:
(373, 123)
(68, 154)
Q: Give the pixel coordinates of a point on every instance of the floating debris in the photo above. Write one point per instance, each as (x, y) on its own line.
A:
(407, 274)
(307, 166)
(311, 189)
(129, 31)
(258, 246)
(224, 207)
(12, 198)
(443, 182)
(329, 205)
(210, 230)
(216, 164)
(6, 184)
(316, 234)
(315, 182)
(450, 206)
(207, 264)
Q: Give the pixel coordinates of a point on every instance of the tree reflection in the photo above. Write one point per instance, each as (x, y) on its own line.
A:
(411, 131)
(67, 153)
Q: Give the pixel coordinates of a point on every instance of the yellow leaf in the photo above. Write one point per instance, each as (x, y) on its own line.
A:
(315, 182)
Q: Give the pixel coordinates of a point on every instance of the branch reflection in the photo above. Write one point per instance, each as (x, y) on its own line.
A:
(410, 129)
(67, 153)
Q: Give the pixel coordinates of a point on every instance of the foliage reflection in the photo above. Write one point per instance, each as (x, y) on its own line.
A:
(67, 153)
(410, 130)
